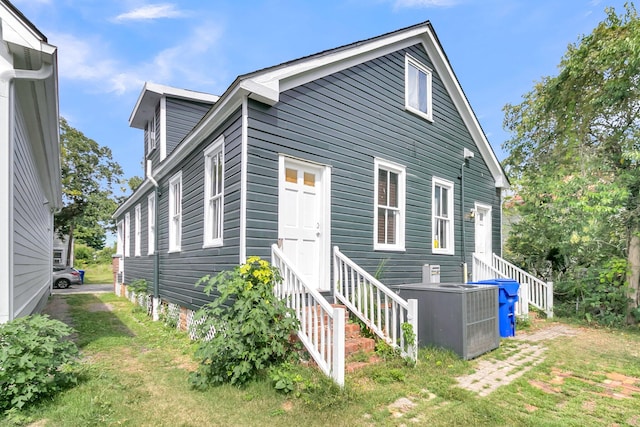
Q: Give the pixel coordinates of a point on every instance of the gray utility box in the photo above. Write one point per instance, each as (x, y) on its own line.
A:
(458, 317)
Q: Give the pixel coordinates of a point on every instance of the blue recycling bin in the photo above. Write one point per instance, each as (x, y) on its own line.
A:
(507, 298)
(81, 275)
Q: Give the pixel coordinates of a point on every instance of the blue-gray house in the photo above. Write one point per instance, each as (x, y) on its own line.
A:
(370, 147)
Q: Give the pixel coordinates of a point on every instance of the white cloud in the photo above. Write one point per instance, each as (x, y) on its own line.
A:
(190, 63)
(424, 3)
(151, 11)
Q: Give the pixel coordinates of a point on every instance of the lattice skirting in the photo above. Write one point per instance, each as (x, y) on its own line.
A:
(171, 314)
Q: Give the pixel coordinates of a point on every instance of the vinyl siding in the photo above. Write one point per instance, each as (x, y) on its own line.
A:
(179, 271)
(182, 117)
(33, 238)
(347, 119)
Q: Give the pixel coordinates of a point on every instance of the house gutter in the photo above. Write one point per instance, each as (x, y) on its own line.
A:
(7, 80)
(156, 252)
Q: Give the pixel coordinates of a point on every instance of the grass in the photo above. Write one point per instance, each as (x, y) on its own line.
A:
(97, 273)
(135, 374)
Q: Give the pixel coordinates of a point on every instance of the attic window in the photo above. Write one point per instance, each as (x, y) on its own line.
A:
(418, 94)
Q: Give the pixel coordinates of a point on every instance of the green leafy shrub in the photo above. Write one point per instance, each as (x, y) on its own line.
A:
(35, 360)
(138, 286)
(252, 326)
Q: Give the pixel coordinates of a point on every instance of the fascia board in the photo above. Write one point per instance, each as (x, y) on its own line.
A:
(443, 67)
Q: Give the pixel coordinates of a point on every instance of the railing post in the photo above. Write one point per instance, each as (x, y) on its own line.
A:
(524, 298)
(549, 304)
(337, 371)
(412, 318)
(336, 273)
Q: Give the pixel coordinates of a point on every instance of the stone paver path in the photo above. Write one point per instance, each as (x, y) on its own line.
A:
(528, 352)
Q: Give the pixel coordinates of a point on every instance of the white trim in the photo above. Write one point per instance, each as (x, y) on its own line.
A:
(127, 234)
(162, 138)
(244, 161)
(120, 238)
(401, 171)
(137, 236)
(216, 147)
(411, 61)
(151, 94)
(7, 121)
(267, 85)
(175, 214)
(451, 242)
(151, 223)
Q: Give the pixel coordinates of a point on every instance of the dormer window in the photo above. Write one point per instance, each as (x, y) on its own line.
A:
(150, 135)
(418, 96)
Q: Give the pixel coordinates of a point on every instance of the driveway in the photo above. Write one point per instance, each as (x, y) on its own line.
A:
(84, 289)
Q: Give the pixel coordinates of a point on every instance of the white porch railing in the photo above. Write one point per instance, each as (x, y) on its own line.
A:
(381, 309)
(321, 325)
(532, 290)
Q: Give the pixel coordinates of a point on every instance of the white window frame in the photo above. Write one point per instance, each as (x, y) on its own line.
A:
(175, 213)
(421, 68)
(400, 211)
(152, 138)
(211, 196)
(151, 223)
(127, 234)
(449, 248)
(137, 236)
(120, 238)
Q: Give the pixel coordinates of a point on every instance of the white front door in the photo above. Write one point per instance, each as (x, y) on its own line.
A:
(303, 223)
(483, 237)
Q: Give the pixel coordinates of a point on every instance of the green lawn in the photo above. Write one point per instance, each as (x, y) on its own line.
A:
(135, 374)
(97, 273)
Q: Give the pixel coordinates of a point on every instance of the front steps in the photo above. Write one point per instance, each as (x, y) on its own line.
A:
(359, 351)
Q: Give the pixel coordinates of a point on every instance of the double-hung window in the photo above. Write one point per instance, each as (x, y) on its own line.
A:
(151, 223)
(175, 212)
(214, 193)
(120, 239)
(389, 211)
(442, 217)
(150, 135)
(418, 96)
(138, 231)
(127, 234)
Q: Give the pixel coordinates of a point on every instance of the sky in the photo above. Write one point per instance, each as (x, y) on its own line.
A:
(107, 49)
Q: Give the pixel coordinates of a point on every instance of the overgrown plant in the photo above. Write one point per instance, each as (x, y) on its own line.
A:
(36, 360)
(138, 286)
(253, 327)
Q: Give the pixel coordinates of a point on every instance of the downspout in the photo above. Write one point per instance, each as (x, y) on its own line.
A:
(463, 262)
(156, 252)
(7, 79)
(467, 154)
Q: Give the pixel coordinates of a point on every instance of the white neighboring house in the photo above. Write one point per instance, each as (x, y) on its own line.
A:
(30, 187)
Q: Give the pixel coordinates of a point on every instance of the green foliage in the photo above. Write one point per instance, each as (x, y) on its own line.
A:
(84, 254)
(35, 359)
(88, 175)
(138, 286)
(284, 378)
(252, 326)
(574, 158)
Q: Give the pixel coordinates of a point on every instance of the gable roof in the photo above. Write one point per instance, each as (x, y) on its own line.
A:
(266, 85)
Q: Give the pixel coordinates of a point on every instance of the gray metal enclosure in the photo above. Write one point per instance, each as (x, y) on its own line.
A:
(458, 317)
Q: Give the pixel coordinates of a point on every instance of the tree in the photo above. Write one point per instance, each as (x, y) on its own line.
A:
(88, 176)
(574, 157)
